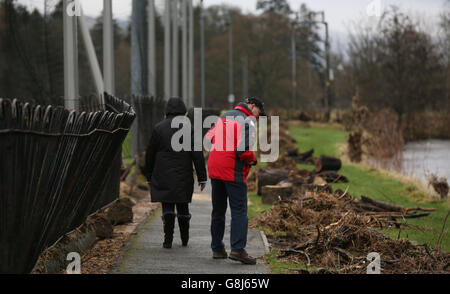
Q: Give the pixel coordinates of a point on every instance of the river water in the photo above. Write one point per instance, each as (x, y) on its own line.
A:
(422, 158)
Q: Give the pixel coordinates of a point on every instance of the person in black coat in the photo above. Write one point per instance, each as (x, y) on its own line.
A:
(170, 174)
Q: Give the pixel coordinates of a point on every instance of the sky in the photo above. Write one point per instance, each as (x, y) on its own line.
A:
(339, 13)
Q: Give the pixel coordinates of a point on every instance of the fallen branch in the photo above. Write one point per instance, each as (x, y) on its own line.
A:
(291, 251)
(438, 244)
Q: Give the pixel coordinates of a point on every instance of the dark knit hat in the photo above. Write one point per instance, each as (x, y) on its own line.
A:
(258, 103)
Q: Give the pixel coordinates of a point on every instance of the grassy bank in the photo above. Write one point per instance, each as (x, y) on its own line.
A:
(377, 184)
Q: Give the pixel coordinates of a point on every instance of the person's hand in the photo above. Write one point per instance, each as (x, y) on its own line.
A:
(252, 163)
(202, 186)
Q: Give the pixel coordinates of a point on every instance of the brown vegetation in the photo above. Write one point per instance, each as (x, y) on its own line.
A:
(326, 230)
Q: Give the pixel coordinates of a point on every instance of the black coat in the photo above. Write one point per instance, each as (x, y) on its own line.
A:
(170, 173)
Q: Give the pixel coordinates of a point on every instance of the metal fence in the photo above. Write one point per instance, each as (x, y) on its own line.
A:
(149, 111)
(56, 168)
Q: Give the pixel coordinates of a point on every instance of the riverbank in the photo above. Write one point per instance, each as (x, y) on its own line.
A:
(377, 184)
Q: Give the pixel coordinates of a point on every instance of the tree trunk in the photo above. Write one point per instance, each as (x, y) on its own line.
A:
(271, 194)
(327, 163)
(270, 177)
(333, 177)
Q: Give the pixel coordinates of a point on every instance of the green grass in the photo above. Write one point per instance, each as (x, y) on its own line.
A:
(278, 267)
(323, 141)
(256, 207)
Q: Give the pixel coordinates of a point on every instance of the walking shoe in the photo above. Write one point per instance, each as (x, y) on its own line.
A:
(220, 254)
(169, 224)
(183, 223)
(242, 257)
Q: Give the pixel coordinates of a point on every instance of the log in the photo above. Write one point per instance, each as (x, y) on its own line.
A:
(121, 212)
(314, 188)
(368, 207)
(102, 225)
(333, 177)
(293, 153)
(270, 177)
(395, 215)
(271, 194)
(303, 157)
(382, 205)
(298, 181)
(327, 163)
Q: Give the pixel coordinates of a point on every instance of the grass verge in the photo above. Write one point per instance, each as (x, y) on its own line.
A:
(364, 180)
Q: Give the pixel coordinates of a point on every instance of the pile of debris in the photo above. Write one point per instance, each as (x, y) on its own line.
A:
(335, 232)
(310, 224)
(282, 179)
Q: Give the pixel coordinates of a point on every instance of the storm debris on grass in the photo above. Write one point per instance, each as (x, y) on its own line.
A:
(325, 230)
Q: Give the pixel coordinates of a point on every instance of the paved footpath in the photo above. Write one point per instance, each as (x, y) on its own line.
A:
(144, 253)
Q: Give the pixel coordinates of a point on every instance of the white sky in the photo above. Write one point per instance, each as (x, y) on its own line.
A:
(339, 13)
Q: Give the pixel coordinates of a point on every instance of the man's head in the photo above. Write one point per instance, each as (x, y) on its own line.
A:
(256, 106)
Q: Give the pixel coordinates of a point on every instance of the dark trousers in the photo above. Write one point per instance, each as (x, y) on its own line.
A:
(182, 208)
(237, 195)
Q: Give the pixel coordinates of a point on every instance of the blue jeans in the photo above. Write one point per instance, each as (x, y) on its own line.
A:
(237, 195)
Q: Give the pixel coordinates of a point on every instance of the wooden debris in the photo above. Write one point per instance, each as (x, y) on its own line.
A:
(327, 163)
(271, 194)
(120, 212)
(333, 177)
(270, 177)
(102, 225)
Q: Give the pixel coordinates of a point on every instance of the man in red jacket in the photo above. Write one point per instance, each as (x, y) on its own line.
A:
(230, 159)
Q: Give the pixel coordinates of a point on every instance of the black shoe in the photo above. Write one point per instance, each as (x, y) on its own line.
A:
(183, 223)
(242, 257)
(169, 223)
(220, 254)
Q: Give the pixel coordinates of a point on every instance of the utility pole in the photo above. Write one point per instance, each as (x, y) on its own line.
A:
(138, 49)
(294, 65)
(175, 63)
(151, 49)
(108, 48)
(231, 98)
(327, 59)
(327, 54)
(191, 53)
(184, 51)
(167, 82)
(71, 99)
(202, 54)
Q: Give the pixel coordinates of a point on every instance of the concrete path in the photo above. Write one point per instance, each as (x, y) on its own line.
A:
(144, 253)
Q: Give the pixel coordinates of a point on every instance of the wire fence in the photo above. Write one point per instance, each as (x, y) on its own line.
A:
(149, 112)
(56, 168)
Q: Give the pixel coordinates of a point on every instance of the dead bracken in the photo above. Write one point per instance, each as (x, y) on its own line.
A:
(325, 231)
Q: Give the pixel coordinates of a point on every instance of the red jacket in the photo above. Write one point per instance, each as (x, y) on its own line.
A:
(232, 137)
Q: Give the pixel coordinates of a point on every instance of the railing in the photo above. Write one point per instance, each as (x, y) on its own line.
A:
(56, 168)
